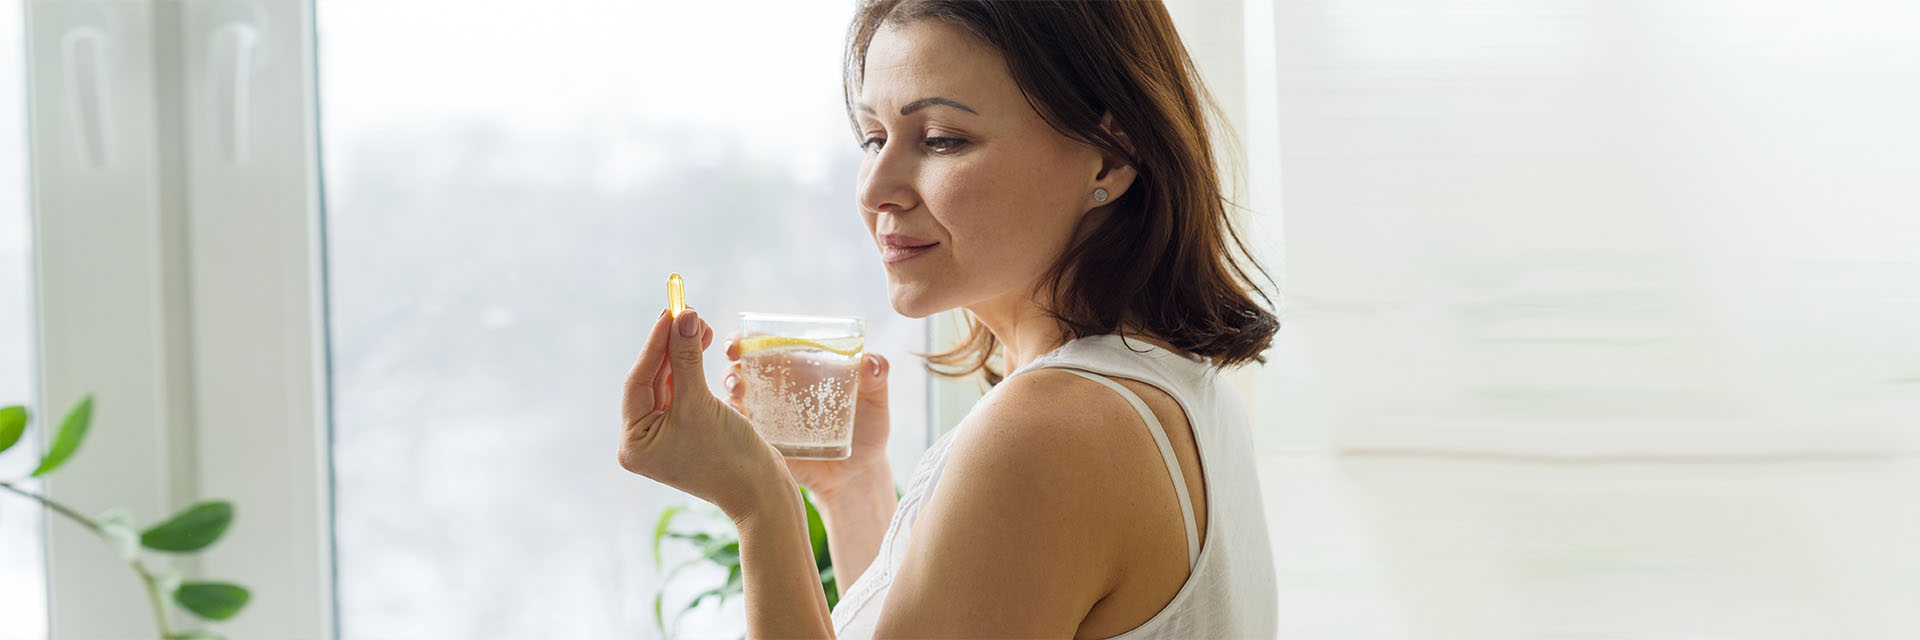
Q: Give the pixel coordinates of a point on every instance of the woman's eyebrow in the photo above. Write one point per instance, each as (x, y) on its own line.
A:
(923, 103)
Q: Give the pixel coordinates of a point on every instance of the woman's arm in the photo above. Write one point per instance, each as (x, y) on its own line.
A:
(1022, 540)
(1027, 530)
(781, 579)
(782, 583)
(856, 521)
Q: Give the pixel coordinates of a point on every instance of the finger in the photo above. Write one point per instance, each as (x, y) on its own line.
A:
(735, 390)
(733, 346)
(706, 335)
(642, 388)
(873, 379)
(736, 373)
(684, 352)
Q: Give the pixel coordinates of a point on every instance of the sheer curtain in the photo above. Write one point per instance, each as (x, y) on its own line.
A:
(1599, 318)
(1572, 228)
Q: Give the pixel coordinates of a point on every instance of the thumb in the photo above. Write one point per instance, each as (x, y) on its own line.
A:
(683, 350)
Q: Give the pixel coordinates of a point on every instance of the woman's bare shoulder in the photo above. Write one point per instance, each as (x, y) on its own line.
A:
(1030, 511)
(1053, 427)
(1045, 410)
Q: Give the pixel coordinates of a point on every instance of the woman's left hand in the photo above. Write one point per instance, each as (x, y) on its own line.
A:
(679, 434)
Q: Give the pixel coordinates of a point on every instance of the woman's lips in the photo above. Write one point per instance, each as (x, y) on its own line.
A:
(890, 253)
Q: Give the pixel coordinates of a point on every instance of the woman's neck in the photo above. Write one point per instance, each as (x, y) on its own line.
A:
(1025, 330)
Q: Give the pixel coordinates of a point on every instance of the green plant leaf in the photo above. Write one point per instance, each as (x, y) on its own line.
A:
(718, 593)
(659, 621)
(191, 530)
(734, 582)
(734, 585)
(13, 422)
(723, 553)
(660, 531)
(68, 440)
(817, 531)
(721, 549)
(822, 553)
(212, 600)
(827, 582)
(698, 539)
(116, 526)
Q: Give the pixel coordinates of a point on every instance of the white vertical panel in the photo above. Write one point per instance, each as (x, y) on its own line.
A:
(1215, 39)
(252, 181)
(1567, 227)
(948, 401)
(106, 324)
(177, 282)
(1231, 43)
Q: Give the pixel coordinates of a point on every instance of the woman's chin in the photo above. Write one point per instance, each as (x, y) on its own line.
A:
(910, 301)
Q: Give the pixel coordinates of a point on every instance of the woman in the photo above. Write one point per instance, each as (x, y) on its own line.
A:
(1044, 166)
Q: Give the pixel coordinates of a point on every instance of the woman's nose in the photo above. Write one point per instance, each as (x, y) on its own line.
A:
(887, 181)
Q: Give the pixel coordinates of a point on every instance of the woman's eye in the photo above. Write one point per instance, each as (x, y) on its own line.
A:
(936, 145)
(943, 145)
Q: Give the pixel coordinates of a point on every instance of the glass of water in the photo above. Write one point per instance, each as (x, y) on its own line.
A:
(801, 376)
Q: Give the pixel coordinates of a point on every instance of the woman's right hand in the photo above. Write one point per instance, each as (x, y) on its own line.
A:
(868, 463)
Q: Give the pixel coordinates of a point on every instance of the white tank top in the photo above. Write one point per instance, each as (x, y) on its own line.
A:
(1229, 592)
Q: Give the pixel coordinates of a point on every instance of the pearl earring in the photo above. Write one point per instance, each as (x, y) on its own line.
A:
(1099, 195)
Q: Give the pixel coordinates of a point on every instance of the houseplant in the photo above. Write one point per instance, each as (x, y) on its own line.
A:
(721, 547)
(189, 531)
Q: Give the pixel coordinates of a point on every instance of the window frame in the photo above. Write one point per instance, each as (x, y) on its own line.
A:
(180, 281)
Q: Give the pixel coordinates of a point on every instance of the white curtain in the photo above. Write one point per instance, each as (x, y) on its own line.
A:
(1571, 228)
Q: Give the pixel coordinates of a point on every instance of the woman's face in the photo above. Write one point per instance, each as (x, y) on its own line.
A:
(959, 163)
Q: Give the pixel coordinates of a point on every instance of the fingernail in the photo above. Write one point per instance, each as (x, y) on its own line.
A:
(873, 365)
(689, 324)
(730, 382)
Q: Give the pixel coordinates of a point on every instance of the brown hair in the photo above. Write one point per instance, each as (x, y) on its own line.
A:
(1161, 261)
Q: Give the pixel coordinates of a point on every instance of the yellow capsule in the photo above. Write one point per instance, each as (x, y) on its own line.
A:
(676, 295)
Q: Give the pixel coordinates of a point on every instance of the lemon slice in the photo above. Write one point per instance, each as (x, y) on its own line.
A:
(849, 346)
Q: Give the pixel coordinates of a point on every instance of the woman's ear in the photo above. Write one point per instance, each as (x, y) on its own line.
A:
(1116, 172)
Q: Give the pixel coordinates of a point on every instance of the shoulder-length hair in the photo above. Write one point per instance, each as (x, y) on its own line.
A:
(1162, 262)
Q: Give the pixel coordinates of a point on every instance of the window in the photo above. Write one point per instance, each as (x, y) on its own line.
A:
(23, 595)
(503, 207)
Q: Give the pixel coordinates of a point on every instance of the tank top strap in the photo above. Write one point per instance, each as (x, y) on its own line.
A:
(1166, 453)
